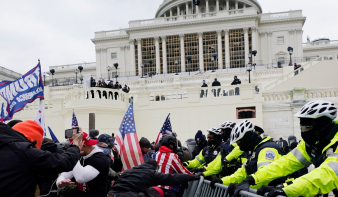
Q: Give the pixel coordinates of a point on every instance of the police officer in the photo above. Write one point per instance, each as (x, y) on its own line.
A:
(209, 153)
(263, 152)
(318, 147)
(236, 81)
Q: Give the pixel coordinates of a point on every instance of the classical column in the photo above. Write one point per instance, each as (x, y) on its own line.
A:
(246, 44)
(104, 62)
(244, 5)
(217, 5)
(178, 10)
(165, 14)
(220, 54)
(98, 63)
(182, 53)
(139, 55)
(197, 9)
(171, 12)
(236, 5)
(132, 57)
(299, 44)
(157, 48)
(200, 46)
(206, 6)
(227, 51)
(121, 62)
(164, 52)
(269, 47)
(254, 38)
(187, 8)
(227, 4)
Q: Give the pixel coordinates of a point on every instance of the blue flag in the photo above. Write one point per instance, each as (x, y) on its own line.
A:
(22, 91)
(74, 120)
(53, 136)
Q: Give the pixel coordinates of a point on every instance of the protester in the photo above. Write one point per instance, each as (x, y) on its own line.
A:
(262, 153)
(168, 162)
(139, 180)
(145, 148)
(13, 122)
(201, 143)
(90, 172)
(22, 160)
(126, 89)
(282, 143)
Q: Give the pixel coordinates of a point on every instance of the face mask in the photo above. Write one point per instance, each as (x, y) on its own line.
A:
(244, 147)
(211, 142)
(309, 137)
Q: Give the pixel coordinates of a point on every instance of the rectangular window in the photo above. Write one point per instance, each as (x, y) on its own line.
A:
(113, 55)
(280, 40)
(245, 112)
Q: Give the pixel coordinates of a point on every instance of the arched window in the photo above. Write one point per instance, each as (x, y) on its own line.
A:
(212, 9)
(202, 10)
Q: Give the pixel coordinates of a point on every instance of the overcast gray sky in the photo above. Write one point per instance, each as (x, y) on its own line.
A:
(59, 31)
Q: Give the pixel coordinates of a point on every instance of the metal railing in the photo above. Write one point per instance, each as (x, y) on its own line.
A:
(201, 188)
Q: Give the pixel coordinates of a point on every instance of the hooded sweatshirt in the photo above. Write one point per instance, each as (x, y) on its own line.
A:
(21, 163)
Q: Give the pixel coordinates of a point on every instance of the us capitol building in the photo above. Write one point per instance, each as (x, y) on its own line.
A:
(164, 61)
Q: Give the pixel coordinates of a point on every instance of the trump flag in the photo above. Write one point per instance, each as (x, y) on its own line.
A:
(127, 141)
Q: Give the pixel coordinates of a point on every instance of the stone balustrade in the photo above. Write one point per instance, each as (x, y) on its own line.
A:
(308, 95)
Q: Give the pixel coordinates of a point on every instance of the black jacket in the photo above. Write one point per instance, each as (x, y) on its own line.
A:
(141, 177)
(236, 81)
(216, 83)
(199, 148)
(21, 163)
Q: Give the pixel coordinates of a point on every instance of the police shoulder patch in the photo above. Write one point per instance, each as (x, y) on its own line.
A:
(270, 155)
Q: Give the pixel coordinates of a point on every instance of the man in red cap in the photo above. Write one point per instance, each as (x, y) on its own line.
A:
(90, 172)
(22, 160)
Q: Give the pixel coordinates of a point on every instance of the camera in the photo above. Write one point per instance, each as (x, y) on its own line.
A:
(69, 132)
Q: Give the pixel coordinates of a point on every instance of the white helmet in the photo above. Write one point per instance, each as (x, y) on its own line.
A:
(317, 109)
(228, 124)
(240, 130)
(215, 130)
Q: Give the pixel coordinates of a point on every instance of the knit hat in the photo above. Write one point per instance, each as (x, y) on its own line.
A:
(199, 136)
(31, 130)
(144, 143)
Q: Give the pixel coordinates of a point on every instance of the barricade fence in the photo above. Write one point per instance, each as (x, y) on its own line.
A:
(201, 188)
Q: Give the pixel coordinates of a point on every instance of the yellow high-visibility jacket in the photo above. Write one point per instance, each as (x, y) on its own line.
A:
(265, 157)
(322, 180)
(215, 166)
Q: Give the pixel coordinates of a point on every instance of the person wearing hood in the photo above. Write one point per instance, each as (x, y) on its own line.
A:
(22, 160)
(201, 143)
(262, 153)
(90, 173)
(139, 180)
(208, 153)
(318, 147)
(169, 163)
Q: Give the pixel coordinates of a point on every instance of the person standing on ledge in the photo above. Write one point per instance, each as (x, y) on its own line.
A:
(236, 81)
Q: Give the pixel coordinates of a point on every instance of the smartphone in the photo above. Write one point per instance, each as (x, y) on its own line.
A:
(68, 133)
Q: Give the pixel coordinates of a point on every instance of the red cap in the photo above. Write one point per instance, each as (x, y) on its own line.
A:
(86, 139)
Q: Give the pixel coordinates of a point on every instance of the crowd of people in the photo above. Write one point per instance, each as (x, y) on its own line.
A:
(110, 85)
(233, 154)
(217, 91)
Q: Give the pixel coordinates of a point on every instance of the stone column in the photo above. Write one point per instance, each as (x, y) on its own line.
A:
(220, 54)
(104, 62)
(217, 5)
(171, 12)
(132, 57)
(121, 62)
(158, 61)
(236, 5)
(244, 5)
(164, 52)
(299, 45)
(182, 53)
(200, 46)
(187, 8)
(197, 9)
(246, 43)
(227, 51)
(269, 47)
(254, 38)
(98, 63)
(206, 6)
(178, 10)
(139, 54)
(227, 4)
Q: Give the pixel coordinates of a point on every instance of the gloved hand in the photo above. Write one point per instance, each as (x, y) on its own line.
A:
(196, 170)
(225, 163)
(214, 181)
(244, 185)
(231, 189)
(272, 191)
(199, 174)
(115, 153)
(185, 164)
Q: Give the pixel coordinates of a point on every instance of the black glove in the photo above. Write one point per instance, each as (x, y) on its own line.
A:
(272, 191)
(244, 185)
(214, 181)
(231, 189)
(116, 154)
(196, 170)
(199, 174)
(225, 163)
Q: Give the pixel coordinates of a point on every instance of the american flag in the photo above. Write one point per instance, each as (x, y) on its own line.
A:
(40, 118)
(74, 120)
(127, 141)
(166, 129)
(2, 115)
